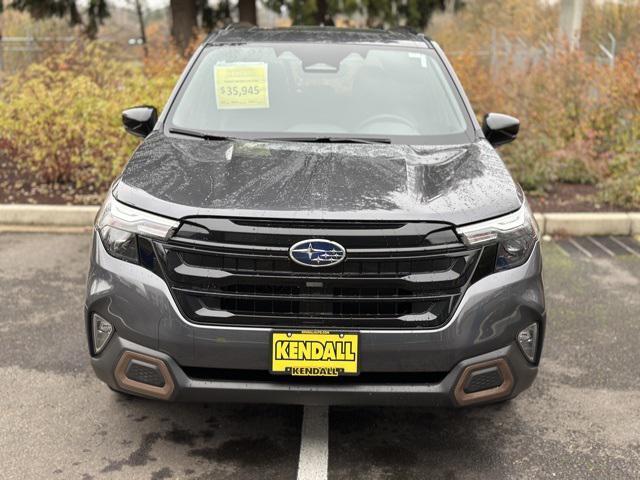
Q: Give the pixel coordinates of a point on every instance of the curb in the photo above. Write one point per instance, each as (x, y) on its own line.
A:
(15, 217)
(48, 215)
(584, 224)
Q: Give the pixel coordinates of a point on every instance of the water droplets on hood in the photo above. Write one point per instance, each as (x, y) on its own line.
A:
(455, 183)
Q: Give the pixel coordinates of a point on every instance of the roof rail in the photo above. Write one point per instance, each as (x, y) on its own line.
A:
(411, 31)
(404, 29)
(212, 36)
(232, 26)
(424, 37)
(239, 26)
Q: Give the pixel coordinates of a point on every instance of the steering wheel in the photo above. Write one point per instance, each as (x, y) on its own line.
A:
(385, 117)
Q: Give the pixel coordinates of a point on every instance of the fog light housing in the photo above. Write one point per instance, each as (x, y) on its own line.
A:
(102, 332)
(528, 341)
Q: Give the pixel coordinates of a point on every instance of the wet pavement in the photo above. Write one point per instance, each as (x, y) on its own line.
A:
(581, 418)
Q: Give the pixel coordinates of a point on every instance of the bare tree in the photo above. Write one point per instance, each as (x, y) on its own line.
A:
(143, 34)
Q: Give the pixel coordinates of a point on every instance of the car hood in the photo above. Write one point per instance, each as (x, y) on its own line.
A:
(179, 177)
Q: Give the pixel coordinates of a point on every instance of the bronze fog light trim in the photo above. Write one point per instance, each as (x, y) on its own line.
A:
(126, 383)
(503, 390)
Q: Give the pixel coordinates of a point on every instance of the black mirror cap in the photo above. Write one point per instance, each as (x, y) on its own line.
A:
(139, 121)
(499, 128)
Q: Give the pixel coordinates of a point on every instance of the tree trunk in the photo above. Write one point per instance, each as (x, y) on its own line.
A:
(184, 20)
(321, 12)
(1, 44)
(143, 35)
(247, 10)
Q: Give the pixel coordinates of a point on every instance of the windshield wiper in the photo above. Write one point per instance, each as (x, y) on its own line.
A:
(207, 136)
(330, 139)
(204, 136)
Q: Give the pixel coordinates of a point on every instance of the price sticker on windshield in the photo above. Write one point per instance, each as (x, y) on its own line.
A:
(242, 85)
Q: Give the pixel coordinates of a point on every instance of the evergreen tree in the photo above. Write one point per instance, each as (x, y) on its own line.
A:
(379, 13)
(96, 12)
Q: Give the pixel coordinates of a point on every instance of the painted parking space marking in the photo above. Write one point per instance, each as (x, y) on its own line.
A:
(582, 250)
(601, 246)
(598, 246)
(562, 249)
(314, 444)
(610, 243)
(625, 246)
(594, 249)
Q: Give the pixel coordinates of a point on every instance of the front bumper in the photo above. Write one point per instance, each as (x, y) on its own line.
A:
(147, 321)
(187, 389)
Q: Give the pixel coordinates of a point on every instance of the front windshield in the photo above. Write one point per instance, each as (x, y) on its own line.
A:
(308, 90)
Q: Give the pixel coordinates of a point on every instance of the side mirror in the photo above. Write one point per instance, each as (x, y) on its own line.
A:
(139, 121)
(499, 129)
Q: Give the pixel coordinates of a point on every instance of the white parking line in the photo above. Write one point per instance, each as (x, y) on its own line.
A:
(626, 247)
(562, 249)
(314, 444)
(602, 247)
(580, 247)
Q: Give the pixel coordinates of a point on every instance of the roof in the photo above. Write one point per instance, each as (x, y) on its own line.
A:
(249, 34)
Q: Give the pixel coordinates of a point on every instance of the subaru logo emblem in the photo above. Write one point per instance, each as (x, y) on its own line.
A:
(317, 253)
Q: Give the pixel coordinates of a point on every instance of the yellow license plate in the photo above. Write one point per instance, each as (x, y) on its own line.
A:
(314, 354)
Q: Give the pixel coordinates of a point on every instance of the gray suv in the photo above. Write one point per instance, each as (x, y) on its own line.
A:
(316, 217)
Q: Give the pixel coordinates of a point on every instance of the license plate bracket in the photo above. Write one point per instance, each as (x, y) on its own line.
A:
(314, 353)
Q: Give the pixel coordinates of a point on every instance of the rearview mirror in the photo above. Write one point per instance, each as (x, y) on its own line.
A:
(499, 129)
(139, 121)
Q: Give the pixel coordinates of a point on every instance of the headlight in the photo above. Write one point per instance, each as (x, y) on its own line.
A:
(515, 233)
(119, 225)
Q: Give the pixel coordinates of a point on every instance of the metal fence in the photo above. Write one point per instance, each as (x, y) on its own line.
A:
(17, 53)
(519, 53)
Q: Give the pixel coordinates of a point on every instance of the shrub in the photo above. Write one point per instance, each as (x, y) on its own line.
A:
(61, 118)
(580, 117)
(623, 186)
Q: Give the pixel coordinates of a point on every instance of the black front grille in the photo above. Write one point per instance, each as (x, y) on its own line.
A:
(242, 261)
(417, 281)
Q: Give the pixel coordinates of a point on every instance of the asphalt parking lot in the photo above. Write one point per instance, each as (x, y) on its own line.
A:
(581, 419)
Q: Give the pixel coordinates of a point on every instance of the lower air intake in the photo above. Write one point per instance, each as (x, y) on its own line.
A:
(143, 372)
(483, 380)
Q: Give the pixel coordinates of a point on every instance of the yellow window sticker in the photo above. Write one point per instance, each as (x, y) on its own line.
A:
(242, 85)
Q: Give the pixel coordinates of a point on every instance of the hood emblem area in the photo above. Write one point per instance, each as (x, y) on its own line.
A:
(317, 252)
